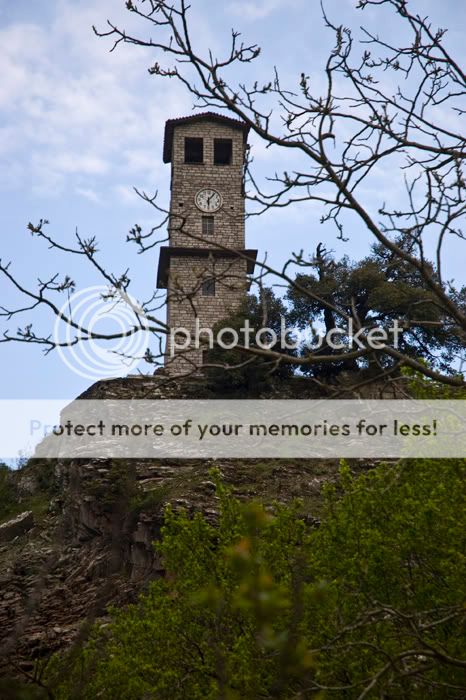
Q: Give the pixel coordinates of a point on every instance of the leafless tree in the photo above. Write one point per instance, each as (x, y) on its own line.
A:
(391, 106)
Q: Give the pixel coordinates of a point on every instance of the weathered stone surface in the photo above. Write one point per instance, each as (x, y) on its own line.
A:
(88, 552)
(186, 298)
(16, 526)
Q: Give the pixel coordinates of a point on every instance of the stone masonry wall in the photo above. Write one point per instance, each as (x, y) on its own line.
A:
(186, 303)
(189, 178)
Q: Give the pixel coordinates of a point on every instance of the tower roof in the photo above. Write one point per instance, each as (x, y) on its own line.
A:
(202, 116)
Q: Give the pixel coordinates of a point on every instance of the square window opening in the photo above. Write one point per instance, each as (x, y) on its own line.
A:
(208, 287)
(208, 226)
(193, 150)
(223, 150)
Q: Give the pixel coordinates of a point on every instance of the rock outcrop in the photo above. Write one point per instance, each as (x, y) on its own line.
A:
(16, 526)
(93, 544)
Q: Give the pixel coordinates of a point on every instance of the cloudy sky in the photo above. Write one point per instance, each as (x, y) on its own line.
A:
(80, 126)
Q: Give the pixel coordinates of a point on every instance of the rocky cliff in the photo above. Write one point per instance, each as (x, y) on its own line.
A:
(80, 532)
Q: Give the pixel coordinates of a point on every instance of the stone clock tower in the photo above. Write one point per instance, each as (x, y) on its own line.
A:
(205, 266)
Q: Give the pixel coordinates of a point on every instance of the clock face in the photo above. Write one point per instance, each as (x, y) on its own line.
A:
(208, 200)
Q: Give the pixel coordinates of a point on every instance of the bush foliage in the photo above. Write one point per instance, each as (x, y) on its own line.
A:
(370, 605)
(8, 496)
(246, 372)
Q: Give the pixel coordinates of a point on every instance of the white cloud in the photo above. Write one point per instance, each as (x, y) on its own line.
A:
(89, 194)
(256, 10)
(25, 42)
(86, 164)
(71, 109)
(126, 194)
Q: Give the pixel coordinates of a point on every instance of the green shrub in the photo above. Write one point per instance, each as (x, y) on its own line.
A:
(8, 495)
(370, 605)
(119, 490)
(238, 372)
(393, 554)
